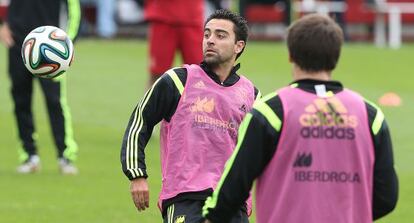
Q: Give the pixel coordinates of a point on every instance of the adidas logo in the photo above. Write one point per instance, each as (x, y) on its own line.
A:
(329, 105)
(200, 85)
(328, 118)
(303, 160)
(327, 112)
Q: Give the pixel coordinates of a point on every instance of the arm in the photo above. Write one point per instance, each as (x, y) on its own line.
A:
(74, 18)
(158, 103)
(385, 191)
(6, 35)
(258, 137)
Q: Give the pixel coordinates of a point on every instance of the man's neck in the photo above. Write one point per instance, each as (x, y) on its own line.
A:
(299, 74)
(223, 70)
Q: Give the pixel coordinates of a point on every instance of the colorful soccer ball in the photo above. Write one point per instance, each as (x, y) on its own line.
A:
(47, 52)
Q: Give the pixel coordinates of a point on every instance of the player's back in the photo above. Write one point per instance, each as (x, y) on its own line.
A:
(322, 170)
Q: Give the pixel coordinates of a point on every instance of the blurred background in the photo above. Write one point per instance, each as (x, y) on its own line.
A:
(110, 73)
(378, 21)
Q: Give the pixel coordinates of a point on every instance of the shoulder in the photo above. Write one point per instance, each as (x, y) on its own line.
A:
(257, 93)
(376, 117)
(179, 72)
(269, 107)
(176, 76)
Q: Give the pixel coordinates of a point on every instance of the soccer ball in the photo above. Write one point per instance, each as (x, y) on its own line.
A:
(47, 52)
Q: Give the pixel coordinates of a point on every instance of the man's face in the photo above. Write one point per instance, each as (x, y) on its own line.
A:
(219, 42)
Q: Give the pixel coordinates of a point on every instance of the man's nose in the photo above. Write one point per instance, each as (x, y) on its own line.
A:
(210, 40)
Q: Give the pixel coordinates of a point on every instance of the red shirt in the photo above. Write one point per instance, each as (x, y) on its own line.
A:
(176, 12)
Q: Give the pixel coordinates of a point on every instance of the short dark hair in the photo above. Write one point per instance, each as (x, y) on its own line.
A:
(241, 29)
(314, 42)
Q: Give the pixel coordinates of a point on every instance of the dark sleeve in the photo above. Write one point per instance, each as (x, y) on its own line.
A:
(255, 148)
(385, 191)
(158, 103)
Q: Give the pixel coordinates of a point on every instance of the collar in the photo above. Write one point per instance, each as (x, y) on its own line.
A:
(230, 80)
(309, 85)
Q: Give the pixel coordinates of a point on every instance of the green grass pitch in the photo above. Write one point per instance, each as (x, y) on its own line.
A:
(107, 80)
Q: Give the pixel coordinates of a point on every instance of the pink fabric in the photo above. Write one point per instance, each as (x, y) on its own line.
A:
(322, 170)
(202, 134)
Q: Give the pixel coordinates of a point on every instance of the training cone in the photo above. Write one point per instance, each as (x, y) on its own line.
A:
(390, 99)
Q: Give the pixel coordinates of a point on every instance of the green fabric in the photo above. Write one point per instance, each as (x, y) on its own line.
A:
(23, 156)
(74, 17)
(378, 120)
(176, 80)
(259, 95)
(170, 213)
(268, 113)
(211, 202)
(266, 97)
(71, 150)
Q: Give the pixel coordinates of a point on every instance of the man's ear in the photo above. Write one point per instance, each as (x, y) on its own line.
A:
(239, 46)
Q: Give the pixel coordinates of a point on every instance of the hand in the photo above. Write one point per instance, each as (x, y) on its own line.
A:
(6, 36)
(207, 221)
(140, 193)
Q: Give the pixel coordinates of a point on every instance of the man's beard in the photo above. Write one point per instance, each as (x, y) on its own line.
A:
(212, 60)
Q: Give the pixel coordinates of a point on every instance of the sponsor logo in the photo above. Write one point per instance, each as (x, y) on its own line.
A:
(213, 124)
(303, 160)
(327, 118)
(199, 85)
(327, 132)
(307, 175)
(202, 109)
(180, 219)
(327, 176)
(203, 105)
